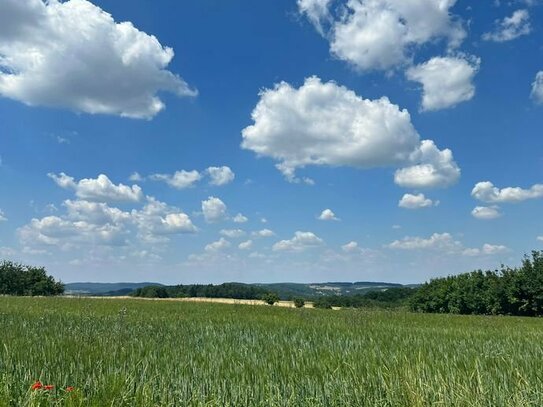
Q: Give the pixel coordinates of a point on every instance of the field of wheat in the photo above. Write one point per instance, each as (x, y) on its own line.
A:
(93, 352)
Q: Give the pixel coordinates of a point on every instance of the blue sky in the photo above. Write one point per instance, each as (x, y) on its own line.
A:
(310, 140)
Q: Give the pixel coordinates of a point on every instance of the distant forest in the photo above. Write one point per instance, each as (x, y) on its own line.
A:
(226, 290)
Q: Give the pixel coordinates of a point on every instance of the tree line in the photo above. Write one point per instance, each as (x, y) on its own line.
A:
(226, 290)
(19, 279)
(508, 291)
(393, 297)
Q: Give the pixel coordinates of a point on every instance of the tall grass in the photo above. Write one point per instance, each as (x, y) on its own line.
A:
(154, 353)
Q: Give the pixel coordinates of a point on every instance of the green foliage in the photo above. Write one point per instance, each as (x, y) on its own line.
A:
(509, 291)
(226, 290)
(299, 302)
(389, 298)
(270, 298)
(134, 353)
(18, 279)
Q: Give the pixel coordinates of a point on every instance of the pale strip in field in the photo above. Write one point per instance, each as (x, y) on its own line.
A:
(286, 304)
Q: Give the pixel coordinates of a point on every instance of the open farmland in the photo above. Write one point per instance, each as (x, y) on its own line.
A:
(128, 352)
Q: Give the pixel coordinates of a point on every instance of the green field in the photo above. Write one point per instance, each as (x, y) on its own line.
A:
(166, 353)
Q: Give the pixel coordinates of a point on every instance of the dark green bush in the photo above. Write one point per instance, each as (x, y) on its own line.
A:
(19, 279)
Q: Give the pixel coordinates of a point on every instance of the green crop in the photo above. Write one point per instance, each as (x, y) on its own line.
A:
(169, 353)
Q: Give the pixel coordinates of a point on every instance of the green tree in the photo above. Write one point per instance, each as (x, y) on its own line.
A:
(270, 298)
(19, 279)
(299, 302)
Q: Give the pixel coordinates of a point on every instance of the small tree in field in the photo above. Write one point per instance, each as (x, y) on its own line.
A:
(270, 298)
(299, 302)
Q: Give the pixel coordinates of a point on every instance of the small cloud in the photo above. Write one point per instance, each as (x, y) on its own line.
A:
(328, 215)
(263, 233)
(510, 28)
(239, 218)
(245, 245)
(232, 233)
(418, 201)
(135, 177)
(220, 175)
(486, 212)
(178, 180)
(214, 210)
(300, 242)
(350, 247)
(217, 246)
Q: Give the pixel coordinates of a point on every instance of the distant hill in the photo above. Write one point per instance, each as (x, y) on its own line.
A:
(104, 288)
(284, 290)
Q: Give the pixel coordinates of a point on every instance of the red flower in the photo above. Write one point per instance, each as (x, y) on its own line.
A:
(48, 387)
(37, 385)
(70, 388)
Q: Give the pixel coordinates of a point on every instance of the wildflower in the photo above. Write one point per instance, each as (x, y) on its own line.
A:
(48, 387)
(37, 385)
(69, 389)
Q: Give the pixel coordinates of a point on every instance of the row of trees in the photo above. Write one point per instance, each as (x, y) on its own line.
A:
(393, 297)
(18, 279)
(508, 291)
(226, 290)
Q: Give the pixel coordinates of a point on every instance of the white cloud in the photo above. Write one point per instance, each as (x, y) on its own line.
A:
(178, 180)
(437, 169)
(2, 216)
(537, 88)
(301, 241)
(445, 243)
(239, 218)
(350, 247)
(510, 28)
(446, 81)
(217, 246)
(55, 231)
(439, 241)
(315, 11)
(99, 189)
(327, 124)
(540, 238)
(135, 177)
(157, 219)
(93, 223)
(264, 233)
(94, 212)
(487, 250)
(74, 55)
(486, 212)
(327, 215)
(487, 192)
(214, 210)
(245, 245)
(220, 175)
(491, 249)
(232, 233)
(418, 201)
(382, 34)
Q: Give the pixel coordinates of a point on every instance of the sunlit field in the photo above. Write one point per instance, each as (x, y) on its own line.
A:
(98, 352)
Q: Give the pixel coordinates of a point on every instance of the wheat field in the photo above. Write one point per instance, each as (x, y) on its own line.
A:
(129, 352)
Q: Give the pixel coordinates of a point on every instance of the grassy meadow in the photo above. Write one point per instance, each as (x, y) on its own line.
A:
(167, 353)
